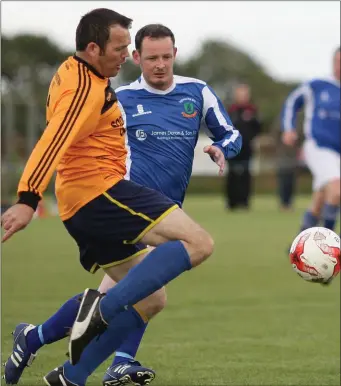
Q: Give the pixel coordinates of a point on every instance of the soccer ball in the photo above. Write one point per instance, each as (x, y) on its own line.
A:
(315, 255)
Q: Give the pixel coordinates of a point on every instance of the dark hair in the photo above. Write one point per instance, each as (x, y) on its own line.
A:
(336, 51)
(95, 26)
(154, 31)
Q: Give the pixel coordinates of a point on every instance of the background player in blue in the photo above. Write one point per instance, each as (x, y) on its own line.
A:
(163, 115)
(321, 99)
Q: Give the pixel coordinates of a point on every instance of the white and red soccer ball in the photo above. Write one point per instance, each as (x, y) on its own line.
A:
(315, 255)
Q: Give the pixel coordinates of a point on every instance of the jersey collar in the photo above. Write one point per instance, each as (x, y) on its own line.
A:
(332, 79)
(153, 90)
(89, 66)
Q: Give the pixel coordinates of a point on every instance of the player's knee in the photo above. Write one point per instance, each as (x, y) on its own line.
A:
(202, 247)
(207, 246)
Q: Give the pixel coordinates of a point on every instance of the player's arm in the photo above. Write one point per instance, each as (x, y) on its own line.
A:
(220, 129)
(74, 113)
(291, 107)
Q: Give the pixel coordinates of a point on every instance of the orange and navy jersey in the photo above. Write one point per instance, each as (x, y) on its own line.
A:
(84, 140)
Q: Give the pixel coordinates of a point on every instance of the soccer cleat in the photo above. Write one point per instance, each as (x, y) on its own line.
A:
(88, 324)
(128, 373)
(56, 377)
(20, 357)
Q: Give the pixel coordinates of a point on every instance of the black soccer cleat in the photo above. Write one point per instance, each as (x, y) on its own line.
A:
(87, 326)
(56, 377)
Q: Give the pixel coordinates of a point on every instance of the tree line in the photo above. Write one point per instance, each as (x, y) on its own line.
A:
(29, 61)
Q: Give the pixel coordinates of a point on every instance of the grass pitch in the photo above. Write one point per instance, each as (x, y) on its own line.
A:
(242, 318)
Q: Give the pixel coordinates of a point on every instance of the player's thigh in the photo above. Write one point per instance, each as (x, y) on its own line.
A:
(140, 214)
(117, 272)
(152, 218)
(106, 283)
(323, 163)
(177, 225)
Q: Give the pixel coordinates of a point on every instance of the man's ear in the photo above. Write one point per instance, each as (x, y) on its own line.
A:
(93, 50)
(136, 57)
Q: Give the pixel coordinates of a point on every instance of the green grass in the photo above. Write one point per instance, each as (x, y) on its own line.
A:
(242, 318)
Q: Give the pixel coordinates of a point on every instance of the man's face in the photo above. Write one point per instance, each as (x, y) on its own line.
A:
(115, 52)
(242, 93)
(156, 60)
(336, 65)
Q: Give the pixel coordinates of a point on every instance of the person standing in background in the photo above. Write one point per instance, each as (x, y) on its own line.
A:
(287, 162)
(244, 116)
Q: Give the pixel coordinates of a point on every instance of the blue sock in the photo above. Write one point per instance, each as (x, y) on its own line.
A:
(56, 327)
(329, 215)
(160, 266)
(309, 220)
(34, 340)
(128, 349)
(100, 349)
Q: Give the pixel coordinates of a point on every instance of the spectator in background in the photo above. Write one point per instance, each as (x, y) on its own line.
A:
(286, 174)
(287, 161)
(243, 114)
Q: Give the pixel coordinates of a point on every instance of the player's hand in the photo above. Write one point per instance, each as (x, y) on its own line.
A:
(15, 218)
(289, 138)
(218, 157)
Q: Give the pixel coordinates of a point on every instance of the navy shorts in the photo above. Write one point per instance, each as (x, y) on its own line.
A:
(108, 229)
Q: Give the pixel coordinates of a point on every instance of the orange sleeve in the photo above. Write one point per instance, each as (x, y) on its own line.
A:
(75, 115)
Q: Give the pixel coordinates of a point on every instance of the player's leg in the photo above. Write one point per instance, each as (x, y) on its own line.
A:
(124, 365)
(126, 353)
(312, 215)
(28, 339)
(331, 208)
(128, 349)
(325, 168)
(32, 338)
(132, 319)
(152, 218)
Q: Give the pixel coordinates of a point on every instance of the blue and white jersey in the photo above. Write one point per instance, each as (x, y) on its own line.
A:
(163, 128)
(321, 99)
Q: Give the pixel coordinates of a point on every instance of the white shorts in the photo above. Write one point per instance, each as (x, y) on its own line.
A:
(323, 163)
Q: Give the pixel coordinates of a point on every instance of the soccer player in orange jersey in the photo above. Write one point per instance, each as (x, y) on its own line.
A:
(106, 215)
